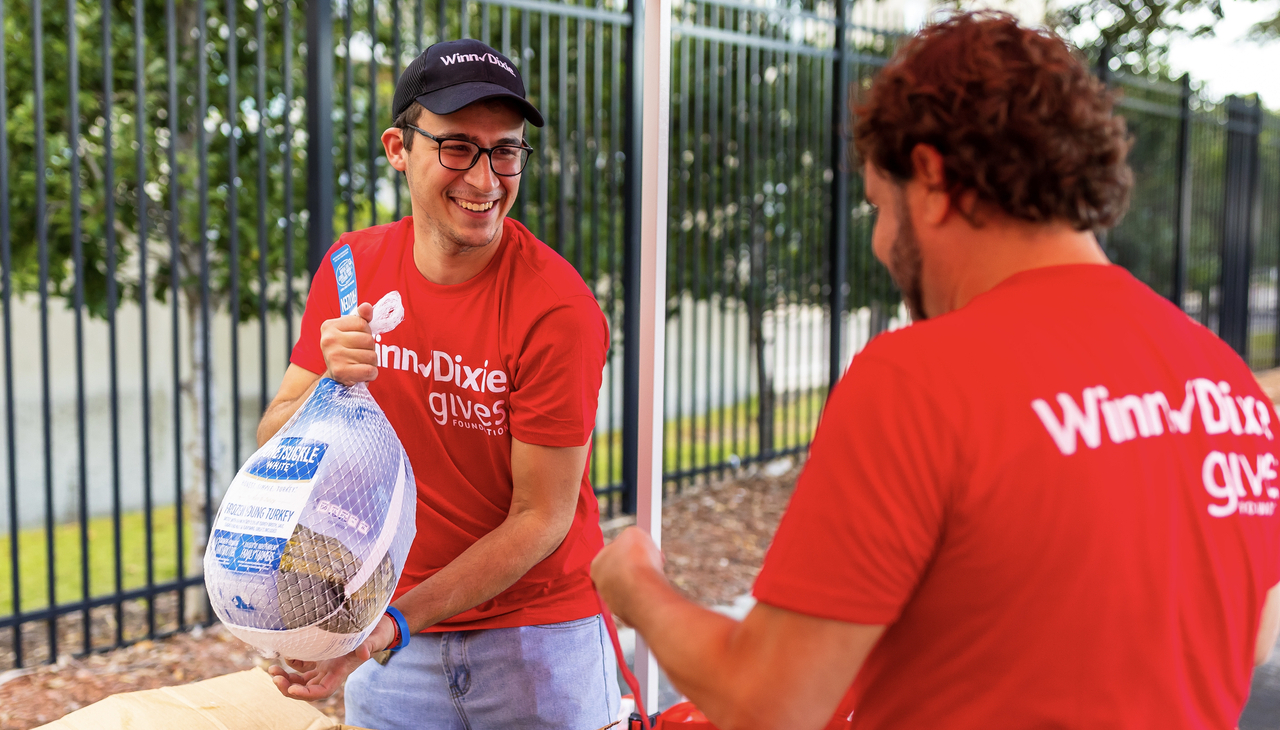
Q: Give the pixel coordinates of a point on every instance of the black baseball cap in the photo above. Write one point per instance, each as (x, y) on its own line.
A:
(450, 75)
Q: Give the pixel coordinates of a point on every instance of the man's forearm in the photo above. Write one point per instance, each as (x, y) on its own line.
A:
(279, 413)
(693, 645)
(490, 566)
(775, 670)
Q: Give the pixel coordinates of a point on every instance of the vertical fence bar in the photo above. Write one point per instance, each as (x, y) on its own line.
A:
(140, 173)
(716, 243)
(396, 53)
(233, 232)
(287, 17)
(417, 27)
(678, 240)
(544, 97)
(1238, 223)
(206, 351)
(743, 232)
(631, 196)
(1182, 235)
(526, 69)
(175, 288)
(109, 238)
(701, 294)
(6, 291)
(42, 239)
(591, 134)
(320, 128)
(371, 154)
(260, 104)
(348, 108)
(580, 155)
(616, 126)
(838, 233)
(77, 256)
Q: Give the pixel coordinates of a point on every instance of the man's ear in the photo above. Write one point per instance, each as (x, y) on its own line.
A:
(393, 143)
(929, 171)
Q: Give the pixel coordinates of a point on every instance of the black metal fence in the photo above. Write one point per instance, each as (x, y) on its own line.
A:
(172, 170)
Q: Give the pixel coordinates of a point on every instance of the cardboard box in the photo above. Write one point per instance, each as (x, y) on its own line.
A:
(242, 701)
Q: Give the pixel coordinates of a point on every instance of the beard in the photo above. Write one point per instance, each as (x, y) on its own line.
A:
(905, 266)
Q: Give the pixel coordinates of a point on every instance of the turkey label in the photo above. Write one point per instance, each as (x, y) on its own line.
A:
(263, 504)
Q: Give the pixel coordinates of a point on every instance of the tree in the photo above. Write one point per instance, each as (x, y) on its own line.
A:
(1138, 32)
(139, 236)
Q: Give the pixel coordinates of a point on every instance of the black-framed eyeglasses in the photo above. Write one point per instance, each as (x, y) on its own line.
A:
(507, 160)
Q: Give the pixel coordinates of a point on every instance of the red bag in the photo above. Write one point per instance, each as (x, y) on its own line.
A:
(683, 716)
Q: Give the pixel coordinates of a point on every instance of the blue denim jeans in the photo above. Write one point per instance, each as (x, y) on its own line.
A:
(555, 676)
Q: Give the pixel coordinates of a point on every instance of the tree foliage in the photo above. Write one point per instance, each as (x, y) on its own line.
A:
(165, 218)
(1138, 32)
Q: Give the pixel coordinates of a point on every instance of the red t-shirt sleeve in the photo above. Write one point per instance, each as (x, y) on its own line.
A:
(870, 505)
(557, 379)
(322, 305)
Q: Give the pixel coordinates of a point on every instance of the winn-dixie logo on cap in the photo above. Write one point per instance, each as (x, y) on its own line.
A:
(453, 58)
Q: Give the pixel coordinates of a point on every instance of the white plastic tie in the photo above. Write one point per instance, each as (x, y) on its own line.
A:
(388, 313)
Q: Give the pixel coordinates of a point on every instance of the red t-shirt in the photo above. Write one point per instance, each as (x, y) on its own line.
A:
(1056, 506)
(515, 351)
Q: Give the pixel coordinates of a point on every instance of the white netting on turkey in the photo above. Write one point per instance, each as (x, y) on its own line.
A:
(312, 534)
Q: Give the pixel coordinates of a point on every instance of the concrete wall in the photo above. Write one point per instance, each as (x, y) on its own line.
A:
(710, 365)
(64, 443)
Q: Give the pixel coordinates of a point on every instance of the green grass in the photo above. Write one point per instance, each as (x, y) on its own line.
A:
(1262, 346)
(33, 559)
(711, 438)
(700, 443)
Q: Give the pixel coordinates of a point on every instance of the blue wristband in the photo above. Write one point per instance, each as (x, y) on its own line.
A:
(402, 627)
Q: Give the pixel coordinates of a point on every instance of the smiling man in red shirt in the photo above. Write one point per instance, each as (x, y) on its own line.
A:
(491, 384)
(1051, 501)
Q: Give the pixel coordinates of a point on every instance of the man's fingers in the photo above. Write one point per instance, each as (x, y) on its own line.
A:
(365, 311)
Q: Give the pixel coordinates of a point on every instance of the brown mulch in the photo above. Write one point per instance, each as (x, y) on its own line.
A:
(1270, 382)
(714, 537)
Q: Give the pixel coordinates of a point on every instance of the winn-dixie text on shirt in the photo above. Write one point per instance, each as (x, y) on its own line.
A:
(1128, 417)
(464, 410)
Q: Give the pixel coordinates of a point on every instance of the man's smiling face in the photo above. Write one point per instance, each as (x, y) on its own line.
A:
(464, 208)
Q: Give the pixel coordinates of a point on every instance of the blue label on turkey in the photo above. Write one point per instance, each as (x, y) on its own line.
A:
(261, 509)
(294, 459)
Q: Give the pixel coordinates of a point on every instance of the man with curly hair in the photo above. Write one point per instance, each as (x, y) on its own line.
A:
(1051, 502)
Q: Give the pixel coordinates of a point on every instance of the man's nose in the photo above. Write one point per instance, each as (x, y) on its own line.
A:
(481, 175)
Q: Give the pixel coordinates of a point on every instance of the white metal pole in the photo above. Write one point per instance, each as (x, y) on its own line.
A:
(653, 297)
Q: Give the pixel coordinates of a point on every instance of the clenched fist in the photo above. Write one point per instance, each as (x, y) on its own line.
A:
(347, 346)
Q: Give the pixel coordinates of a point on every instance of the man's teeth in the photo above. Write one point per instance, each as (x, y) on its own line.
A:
(477, 207)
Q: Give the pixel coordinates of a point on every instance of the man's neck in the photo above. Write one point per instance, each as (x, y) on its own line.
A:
(987, 256)
(446, 263)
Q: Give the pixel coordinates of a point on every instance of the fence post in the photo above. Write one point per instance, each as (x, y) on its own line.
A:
(838, 243)
(319, 131)
(1182, 234)
(633, 97)
(1105, 76)
(1239, 221)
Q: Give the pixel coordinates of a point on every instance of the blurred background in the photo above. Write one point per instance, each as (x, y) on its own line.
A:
(171, 172)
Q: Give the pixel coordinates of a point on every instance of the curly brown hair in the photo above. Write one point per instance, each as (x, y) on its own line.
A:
(1015, 114)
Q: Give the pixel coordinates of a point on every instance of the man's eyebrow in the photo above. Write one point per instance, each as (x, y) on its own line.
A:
(476, 140)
